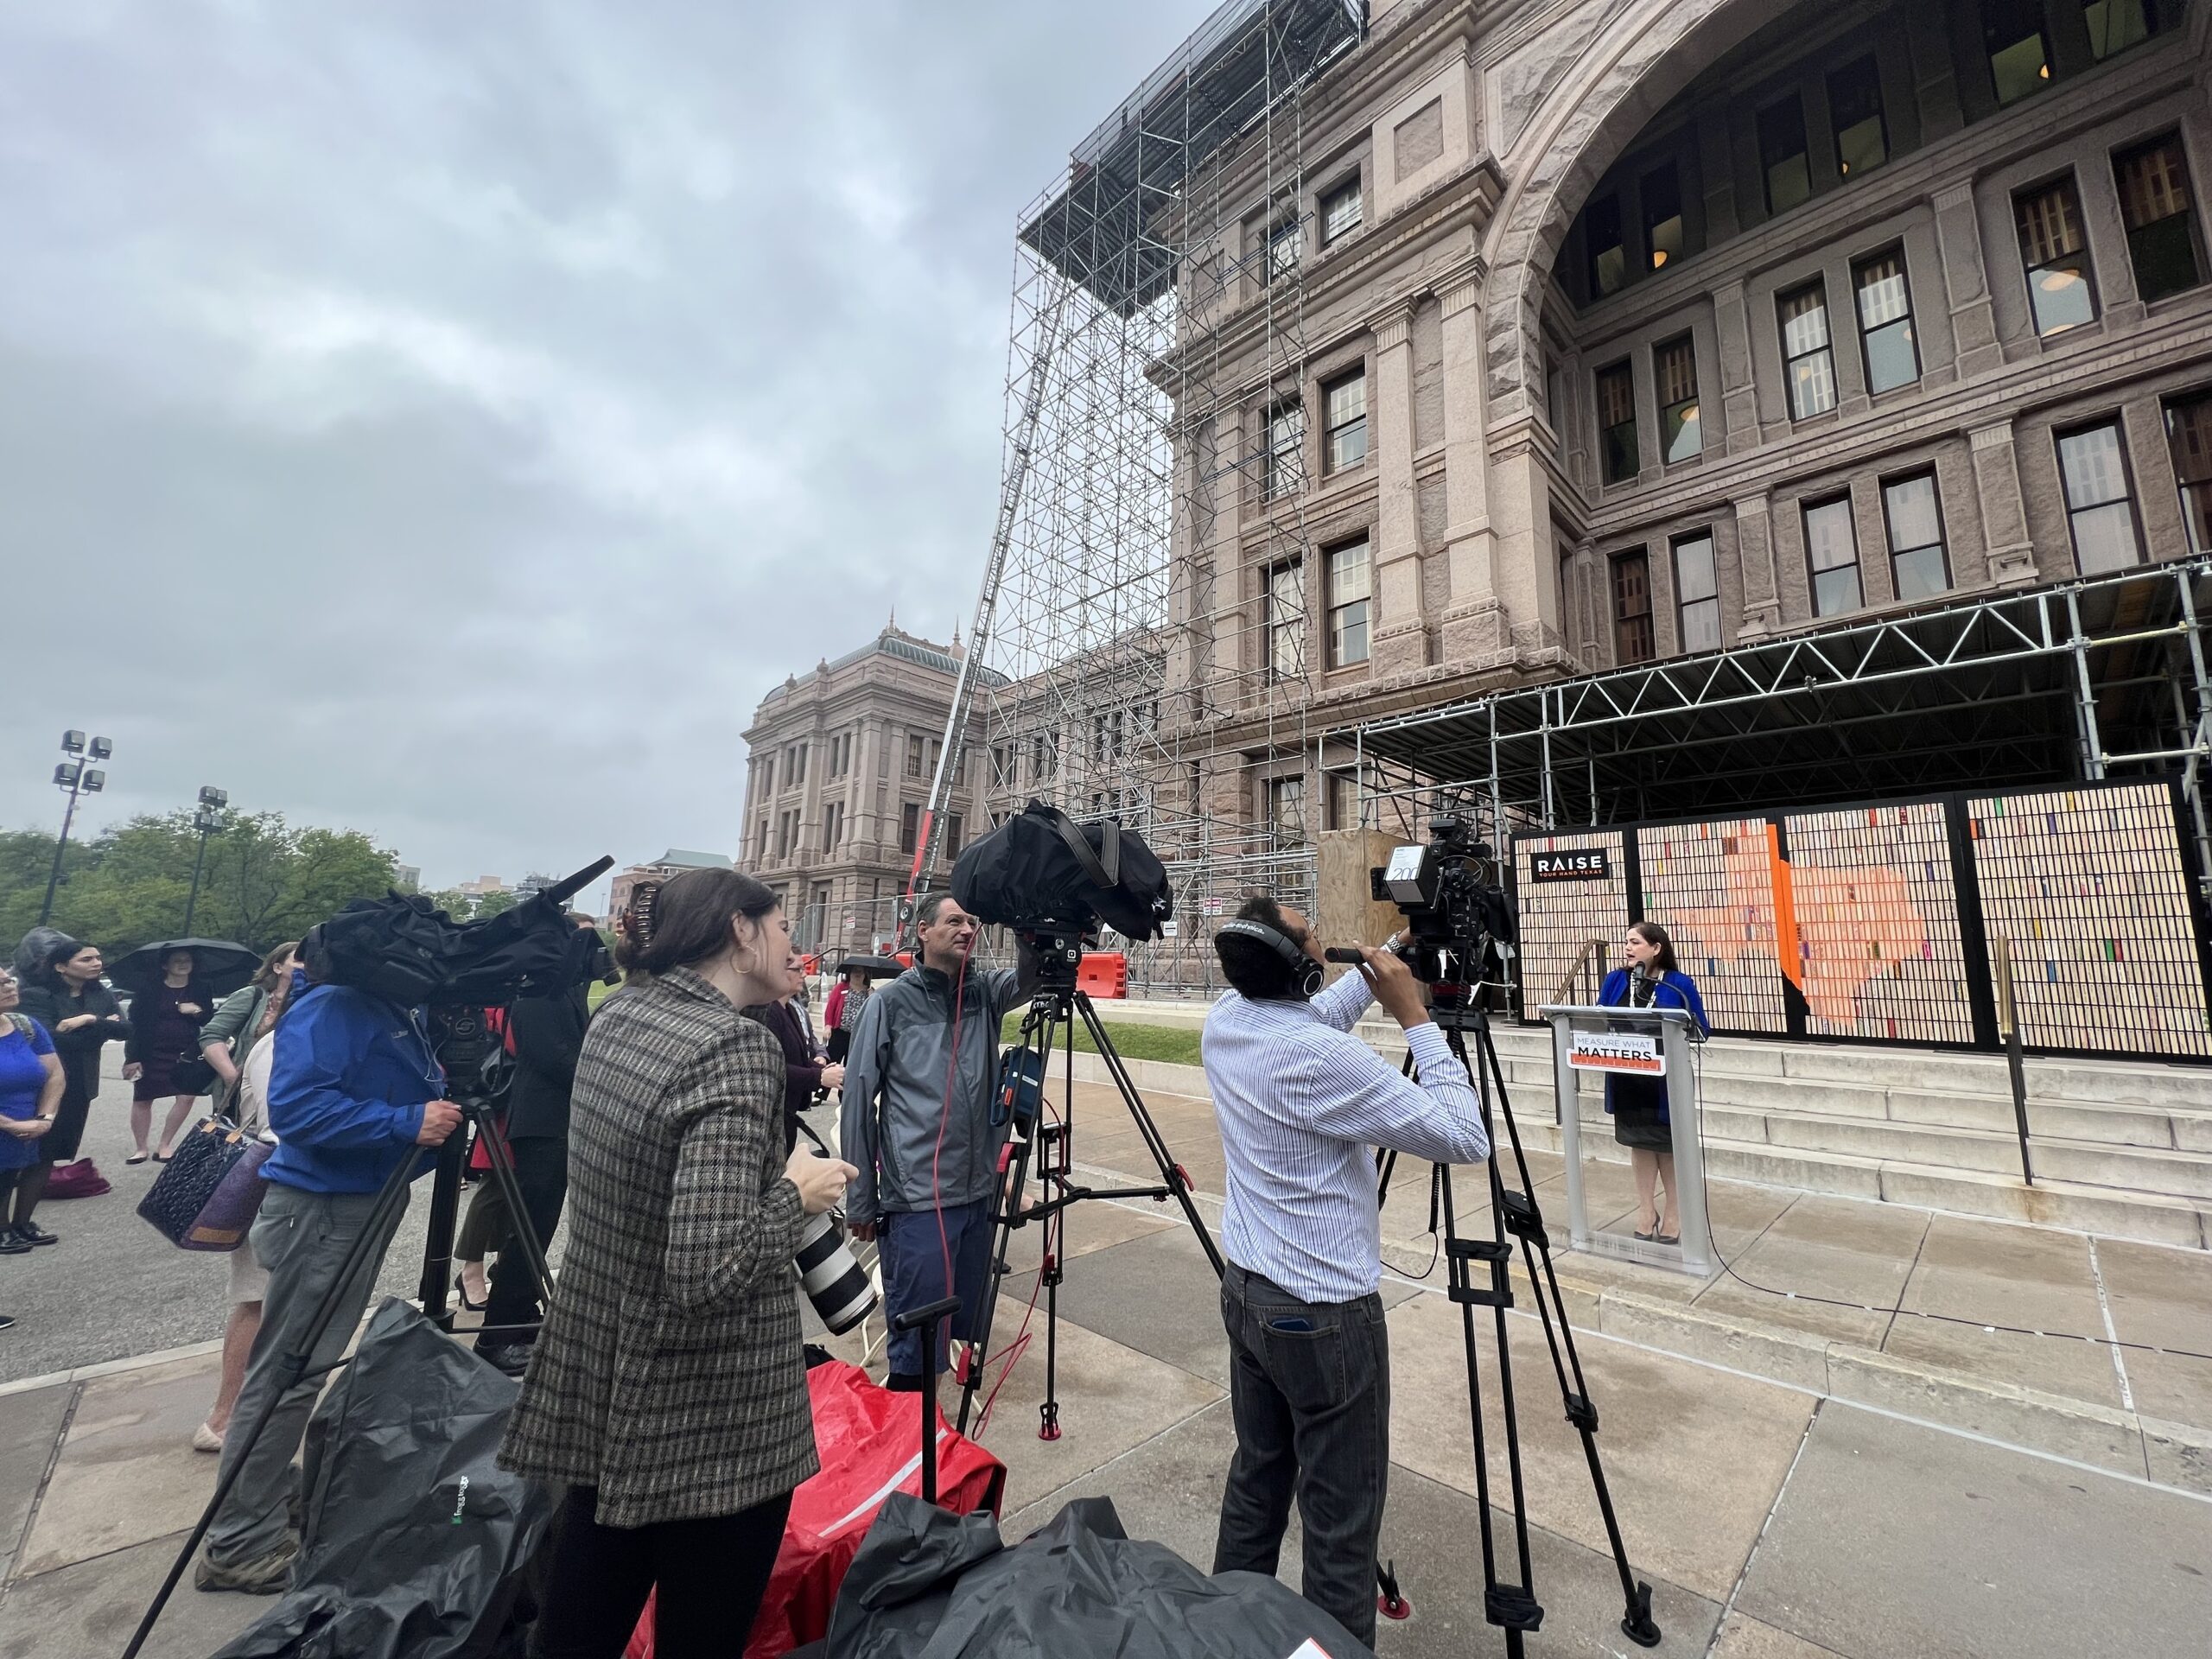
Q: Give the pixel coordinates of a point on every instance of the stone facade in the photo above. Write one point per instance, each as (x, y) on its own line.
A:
(842, 762)
(1496, 147)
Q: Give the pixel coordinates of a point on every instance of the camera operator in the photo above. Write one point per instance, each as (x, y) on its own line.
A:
(668, 1393)
(548, 1032)
(1300, 1102)
(353, 1089)
(928, 1046)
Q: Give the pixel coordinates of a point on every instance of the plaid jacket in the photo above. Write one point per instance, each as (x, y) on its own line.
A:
(669, 1374)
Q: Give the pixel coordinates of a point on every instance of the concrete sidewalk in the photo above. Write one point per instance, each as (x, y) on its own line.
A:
(1771, 1522)
(2039, 1337)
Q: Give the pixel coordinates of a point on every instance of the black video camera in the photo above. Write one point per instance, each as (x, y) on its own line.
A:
(1458, 912)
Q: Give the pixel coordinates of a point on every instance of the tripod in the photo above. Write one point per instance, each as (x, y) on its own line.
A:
(1513, 1607)
(1051, 1020)
(297, 1363)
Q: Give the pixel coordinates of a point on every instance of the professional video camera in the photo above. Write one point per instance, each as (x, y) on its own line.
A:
(1053, 882)
(1450, 892)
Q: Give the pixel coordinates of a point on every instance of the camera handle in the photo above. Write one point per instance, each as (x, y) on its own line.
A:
(926, 1320)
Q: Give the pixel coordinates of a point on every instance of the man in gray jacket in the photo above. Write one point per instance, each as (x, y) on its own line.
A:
(916, 1122)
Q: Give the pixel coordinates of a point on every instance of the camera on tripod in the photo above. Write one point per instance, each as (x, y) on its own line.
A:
(1454, 904)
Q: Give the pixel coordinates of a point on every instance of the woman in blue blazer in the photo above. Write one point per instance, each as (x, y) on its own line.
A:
(1649, 978)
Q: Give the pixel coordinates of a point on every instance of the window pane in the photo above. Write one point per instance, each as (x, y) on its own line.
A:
(2157, 206)
(1913, 521)
(1632, 638)
(1855, 108)
(1782, 156)
(1340, 212)
(2093, 467)
(1829, 541)
(2063, 297)
(1882, 296)
(1676, 366)
(1282, 250)
(2115, 25)
(2051, 223)
(1348, 400)
(1348, 573)
(1812, 384)
(1662, 193)
(1348, 635)
(2104, 538)
(1836, 591)
(1892, 359)
(1608, 258)
(1921, 573)
(2189, 437)
(2011, 34)
(1886, 315)
(1701, 626)
(1804, 321)
(1616, 388)
(1693, 573)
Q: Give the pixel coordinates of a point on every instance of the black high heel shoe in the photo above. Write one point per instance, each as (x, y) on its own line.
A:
(461, 1292)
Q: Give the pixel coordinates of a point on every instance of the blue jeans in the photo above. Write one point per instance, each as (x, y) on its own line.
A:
(913, 1275)
(1309, 1385)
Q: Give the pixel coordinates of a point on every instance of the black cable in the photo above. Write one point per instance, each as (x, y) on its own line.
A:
(1899, 1309)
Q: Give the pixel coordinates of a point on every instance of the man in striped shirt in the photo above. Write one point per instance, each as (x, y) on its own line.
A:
(1301, 1102)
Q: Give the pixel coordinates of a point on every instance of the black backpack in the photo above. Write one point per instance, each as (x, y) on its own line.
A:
(1040, 864)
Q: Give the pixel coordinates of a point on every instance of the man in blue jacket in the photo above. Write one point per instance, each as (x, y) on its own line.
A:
(354, 1088)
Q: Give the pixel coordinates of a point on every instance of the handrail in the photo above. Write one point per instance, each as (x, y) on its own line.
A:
(1566, 985)
(2008, 1027)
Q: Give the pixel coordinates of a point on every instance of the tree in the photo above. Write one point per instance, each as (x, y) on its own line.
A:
(263, 882)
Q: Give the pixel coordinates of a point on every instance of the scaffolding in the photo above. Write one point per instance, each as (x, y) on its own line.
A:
(2100, 677)
(1149, 575)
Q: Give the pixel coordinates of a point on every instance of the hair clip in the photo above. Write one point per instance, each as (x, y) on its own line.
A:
(645, 902)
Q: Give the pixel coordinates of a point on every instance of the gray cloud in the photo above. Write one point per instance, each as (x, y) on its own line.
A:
(447, 420)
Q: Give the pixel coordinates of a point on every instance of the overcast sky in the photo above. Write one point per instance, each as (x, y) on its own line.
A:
(447, 421)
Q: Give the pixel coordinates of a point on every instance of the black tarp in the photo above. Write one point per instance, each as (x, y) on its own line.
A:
(415, 1545)
(928, 1585)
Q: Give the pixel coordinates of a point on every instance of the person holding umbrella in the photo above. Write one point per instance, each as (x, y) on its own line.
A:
(81, 1014)
(174, 985)
(164, 1038)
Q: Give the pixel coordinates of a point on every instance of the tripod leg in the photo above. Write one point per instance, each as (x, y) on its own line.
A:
(1013, 1181)
(437, 1242)
(390, 1197)
(502, 1157)
(1171, 1173)
(1526, 1223)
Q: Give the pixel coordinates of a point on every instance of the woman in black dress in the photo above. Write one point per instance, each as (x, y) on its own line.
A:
(165, 1025)
(1648, 978)
(80, 1013)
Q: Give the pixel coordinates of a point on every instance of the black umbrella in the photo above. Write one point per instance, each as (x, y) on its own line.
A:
(220, 965)
(873, 966)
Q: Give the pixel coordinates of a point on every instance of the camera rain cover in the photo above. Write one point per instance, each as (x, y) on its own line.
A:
(1041, 865)
(406, 951)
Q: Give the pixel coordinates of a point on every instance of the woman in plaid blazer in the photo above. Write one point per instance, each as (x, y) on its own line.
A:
(668, 1390)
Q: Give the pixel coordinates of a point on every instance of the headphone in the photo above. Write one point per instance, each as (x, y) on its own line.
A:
(1305, 972)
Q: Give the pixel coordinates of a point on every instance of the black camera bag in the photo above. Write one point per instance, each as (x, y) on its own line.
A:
(1040, 865)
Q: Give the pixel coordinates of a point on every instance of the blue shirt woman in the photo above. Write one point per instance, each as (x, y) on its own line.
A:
(1650, 979)
(23, 1071)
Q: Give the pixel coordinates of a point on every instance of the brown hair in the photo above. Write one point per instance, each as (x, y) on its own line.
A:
(1656, 936)
(684, 921)
(267, 979)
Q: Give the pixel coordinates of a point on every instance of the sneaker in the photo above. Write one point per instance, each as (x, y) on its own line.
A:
(264, 1575)
(31, 1233)
(510, 1359)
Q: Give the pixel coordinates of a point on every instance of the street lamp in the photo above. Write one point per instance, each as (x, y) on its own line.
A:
(78, 779)
(208, 821)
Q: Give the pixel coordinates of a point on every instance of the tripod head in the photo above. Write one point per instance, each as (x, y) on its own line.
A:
(1059, 948)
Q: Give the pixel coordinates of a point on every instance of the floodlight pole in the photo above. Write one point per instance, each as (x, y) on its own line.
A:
(74, 776)
(208, 820)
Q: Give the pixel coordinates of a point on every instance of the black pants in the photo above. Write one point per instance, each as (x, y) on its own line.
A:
(1310, 1388)
(710, 1574)
(541, 1177)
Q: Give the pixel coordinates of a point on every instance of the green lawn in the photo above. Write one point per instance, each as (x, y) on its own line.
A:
(1177, 1044)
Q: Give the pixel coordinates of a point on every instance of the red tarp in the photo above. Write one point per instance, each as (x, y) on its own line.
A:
(869, 1439)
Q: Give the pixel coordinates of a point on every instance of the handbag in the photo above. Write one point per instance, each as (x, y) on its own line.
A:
(208, 1193)
(191, 1075)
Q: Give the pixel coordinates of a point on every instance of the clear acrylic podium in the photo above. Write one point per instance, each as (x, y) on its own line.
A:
(1644, 1042)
